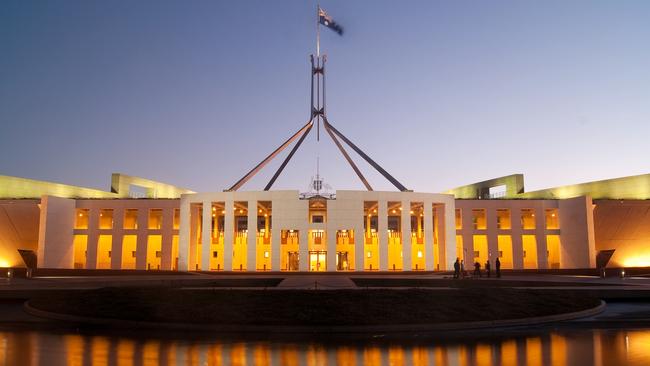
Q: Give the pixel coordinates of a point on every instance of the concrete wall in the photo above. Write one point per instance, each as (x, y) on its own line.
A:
(18, 230)
(55, 249)
(578, 240)
(623, 225)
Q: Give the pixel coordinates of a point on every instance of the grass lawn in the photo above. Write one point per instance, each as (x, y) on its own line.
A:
(312, 307)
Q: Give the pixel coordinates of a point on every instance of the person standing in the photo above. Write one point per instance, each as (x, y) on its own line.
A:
(487, 268)
(462, 268)
(497, 265)
(457, 268)
(477, 269)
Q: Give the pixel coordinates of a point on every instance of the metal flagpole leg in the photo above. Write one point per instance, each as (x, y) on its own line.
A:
(286, 160)
(381, 170)
(348, 158)
(266, 160)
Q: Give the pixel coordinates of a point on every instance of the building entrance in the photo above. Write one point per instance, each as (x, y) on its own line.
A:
(318, 261)
(342, 263)
(293, 261)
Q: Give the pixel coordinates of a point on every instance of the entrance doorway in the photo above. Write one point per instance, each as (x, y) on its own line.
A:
(342, 263)
(318, 261)
(293, 261)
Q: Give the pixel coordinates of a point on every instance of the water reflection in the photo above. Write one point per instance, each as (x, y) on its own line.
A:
(558, 348)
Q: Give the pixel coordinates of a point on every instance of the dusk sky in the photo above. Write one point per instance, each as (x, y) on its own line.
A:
(440, 93)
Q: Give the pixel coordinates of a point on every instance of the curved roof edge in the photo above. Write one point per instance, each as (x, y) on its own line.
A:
(121, 187)
(635, 187)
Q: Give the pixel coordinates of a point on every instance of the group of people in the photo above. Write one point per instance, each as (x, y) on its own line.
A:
(459, 269)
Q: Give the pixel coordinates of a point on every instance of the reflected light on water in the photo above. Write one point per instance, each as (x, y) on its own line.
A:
(557, 348)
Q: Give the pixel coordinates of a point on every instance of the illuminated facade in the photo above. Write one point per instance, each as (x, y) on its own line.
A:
(141, 224)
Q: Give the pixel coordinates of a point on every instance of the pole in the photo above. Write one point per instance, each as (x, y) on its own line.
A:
(318, 30)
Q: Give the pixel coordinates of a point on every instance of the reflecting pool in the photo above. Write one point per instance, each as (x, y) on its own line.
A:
(556, 347)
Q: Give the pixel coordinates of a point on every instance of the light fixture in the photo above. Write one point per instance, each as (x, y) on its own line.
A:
(214, 208)
(223, 211)
(411, 212)
(241, 211)
(214, 215)
(394, 211)
(260, 210)
(374, 211)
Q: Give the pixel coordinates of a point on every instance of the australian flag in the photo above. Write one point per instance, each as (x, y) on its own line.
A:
(327, 21)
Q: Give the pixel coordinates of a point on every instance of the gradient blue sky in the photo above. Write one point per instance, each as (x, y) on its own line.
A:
(441, 93)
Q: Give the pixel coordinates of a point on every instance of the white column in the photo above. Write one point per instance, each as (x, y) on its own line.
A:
(407, 264)
(517, 242)
(440, 227)
(540, 236)
(331, 248)
(206, 236)
(93, 238)
(167, 233)
(382, 228)
(276, 246)
(251, 238)
(492, 237)
(428, 236)
(359, 239)
(184, 235)
(143, 239)
(118, 238)
(228, 231)
(468, 237)
(303, 249)
(449, 238)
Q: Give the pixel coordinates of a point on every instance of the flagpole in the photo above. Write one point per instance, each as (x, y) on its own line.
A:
(318, 30)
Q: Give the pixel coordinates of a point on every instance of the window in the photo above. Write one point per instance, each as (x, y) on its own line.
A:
(503, 219)
(177, 218)
(131, 218)
(317, 219)
(552, 219)
(478, 219)
(528, 219)
(81, 218)
(155, 218)
(106, 218)
(459, 219)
